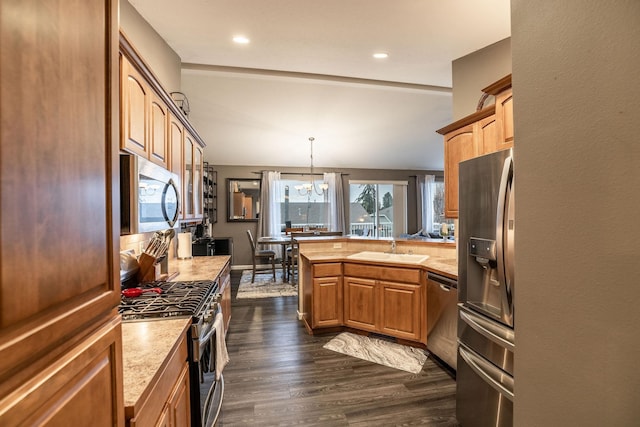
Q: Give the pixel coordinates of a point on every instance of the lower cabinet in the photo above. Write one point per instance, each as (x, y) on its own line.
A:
(225, 291)
(361, 310)
(166, 401)
(401, 310)
(82, 386)
(327, 295)
(373, 298)
(176, 412)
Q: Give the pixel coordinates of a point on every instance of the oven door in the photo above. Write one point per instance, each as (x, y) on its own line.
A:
(207, 390)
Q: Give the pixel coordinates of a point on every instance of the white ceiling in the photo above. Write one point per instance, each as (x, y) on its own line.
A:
(309, 71)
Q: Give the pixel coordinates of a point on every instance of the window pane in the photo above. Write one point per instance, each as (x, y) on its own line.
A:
(438, 209)
(301, 208)
(372, 209)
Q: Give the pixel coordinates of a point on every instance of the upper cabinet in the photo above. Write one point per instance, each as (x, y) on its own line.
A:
(155, 128)
(145, 118)
(487, 130)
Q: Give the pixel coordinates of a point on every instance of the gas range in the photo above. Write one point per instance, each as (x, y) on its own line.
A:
(197, 299)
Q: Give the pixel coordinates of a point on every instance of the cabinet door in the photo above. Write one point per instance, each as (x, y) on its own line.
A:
(198, 187)
(488, 135)
(459, 145)
(176, 132)
(401, 310)
(59, 246)
(504, 114)
(187, 176)
(158, 138)
(327, 302)
(179, 407)
(225, 279)
(361, 303)
(135, 95)
(78, 388)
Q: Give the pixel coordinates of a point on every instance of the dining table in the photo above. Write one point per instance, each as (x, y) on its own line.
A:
(282, 240)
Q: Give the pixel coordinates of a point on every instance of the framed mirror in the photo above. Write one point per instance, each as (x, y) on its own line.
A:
(243, 199)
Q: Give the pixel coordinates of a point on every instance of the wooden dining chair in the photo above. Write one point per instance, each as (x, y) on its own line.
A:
(260, 255)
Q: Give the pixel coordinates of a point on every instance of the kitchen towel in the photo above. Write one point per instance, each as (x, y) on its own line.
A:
(221, 355)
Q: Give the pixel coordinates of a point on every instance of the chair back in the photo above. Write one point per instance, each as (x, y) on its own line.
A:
(253, 243)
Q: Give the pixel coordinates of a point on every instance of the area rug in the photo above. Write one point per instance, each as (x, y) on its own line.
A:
(264, 286)
(380, 351)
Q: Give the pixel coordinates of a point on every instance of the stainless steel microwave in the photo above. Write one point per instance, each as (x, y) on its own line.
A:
(149, 196)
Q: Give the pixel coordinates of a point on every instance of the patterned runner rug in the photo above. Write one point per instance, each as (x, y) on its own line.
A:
(264, 286)
(380, 351)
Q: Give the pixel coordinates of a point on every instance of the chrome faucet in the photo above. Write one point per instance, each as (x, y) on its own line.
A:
(393, 246)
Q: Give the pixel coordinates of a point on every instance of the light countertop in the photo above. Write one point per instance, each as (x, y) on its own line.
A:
(437, 264)
(198, 268)
(145, 348)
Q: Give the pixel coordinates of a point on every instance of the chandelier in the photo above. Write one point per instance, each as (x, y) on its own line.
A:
(310, 187)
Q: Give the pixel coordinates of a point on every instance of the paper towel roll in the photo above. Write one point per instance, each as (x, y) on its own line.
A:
(184, 245)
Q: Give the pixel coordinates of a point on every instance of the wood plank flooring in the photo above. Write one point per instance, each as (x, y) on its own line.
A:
(279, 375)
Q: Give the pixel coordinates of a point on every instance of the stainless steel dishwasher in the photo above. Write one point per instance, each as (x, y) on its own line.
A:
(442, 318)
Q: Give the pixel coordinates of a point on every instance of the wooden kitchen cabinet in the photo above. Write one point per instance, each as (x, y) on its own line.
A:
(144, 117)
(60, 341)
(361, 304)
(398, 295)
(134, 98)
(166, 400)
(159, 128)
(401, 309)
(176, 133)
(193, 206)
(153, 127)
(225, 292)
(177, 410)
(327, 295)
(504, 112)
(486, 131)
(459, 145)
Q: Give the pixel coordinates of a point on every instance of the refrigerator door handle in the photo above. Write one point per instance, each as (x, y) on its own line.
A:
(497, 334)
(507, 173)
(496, 378)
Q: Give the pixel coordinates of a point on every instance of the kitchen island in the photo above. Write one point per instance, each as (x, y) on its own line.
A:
(370, 285)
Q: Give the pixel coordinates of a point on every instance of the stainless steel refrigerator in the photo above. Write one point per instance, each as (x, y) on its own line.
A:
(486, 291)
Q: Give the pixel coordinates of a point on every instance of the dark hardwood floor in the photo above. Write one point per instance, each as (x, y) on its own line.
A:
(279, 375)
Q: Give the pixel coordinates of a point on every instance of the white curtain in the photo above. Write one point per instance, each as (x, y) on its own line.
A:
(335, 202)
(426, 189)
(269, 221)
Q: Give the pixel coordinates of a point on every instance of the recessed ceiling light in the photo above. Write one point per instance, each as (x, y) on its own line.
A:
(380, 55)
(241, 39)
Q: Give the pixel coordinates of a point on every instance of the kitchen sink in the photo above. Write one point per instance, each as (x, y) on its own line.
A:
(389, 257)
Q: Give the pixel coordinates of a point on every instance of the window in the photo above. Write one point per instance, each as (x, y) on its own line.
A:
(308, 210)
(438, 209)
(377, 208)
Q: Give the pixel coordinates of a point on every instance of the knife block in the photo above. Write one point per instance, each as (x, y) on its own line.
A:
(149, 268)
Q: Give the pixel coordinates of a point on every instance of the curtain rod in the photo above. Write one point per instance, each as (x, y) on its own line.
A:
(296, 173)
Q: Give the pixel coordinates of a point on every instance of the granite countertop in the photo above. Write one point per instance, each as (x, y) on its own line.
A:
(145, 348)
(197, 268)
(437, 264)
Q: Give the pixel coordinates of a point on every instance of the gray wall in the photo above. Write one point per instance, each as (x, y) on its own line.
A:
(157, 54)
(237, 230)
(474, 72)
(577, 157)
